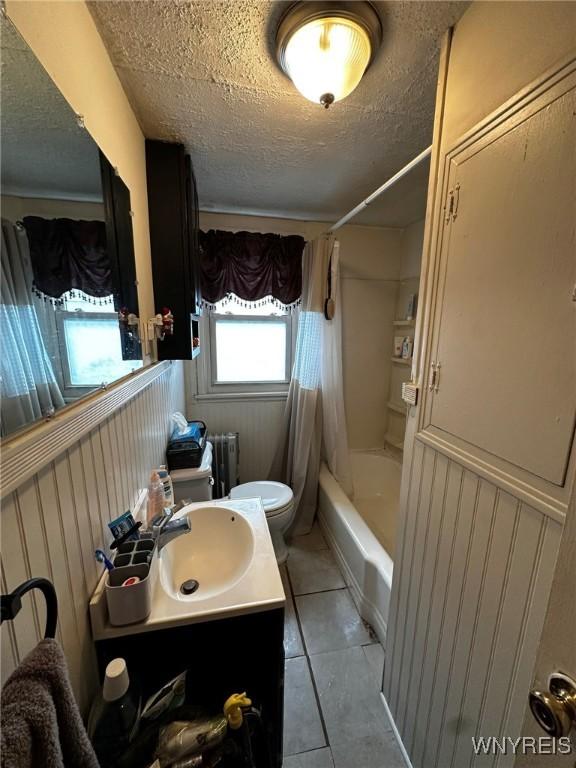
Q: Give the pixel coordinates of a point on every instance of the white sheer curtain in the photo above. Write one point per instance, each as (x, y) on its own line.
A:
(29, 388)
(315, 395)
(334, 431)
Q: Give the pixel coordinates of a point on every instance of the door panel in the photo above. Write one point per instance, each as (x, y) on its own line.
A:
(507, 336)
(490, 464)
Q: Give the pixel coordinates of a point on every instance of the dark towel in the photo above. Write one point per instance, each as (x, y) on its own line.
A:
(41, 723)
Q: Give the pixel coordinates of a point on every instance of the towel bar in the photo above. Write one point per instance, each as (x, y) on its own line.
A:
(11, 604)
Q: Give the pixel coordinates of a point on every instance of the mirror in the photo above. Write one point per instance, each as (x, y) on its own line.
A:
(69, 301)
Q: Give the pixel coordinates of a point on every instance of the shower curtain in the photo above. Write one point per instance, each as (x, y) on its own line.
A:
(334, 431)
(314, 420)
(29, 388)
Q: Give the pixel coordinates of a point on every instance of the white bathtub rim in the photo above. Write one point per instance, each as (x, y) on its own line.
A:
(366, 608)
(371, 552)
(371, 549)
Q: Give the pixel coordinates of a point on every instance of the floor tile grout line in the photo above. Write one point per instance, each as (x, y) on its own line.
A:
(310, 751)
(309, 665)
(374, 640)
(321, 591)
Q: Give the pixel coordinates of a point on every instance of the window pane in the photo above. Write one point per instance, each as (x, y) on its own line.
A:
(94, 351)
(250, 351)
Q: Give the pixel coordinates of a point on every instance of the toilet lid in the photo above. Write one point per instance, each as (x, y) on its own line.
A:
(275, 496)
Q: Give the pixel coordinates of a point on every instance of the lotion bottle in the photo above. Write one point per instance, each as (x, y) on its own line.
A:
(167, 485)
(155, 503)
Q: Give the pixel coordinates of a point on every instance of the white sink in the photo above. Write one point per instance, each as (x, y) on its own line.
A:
(216, 553)
(228, 552)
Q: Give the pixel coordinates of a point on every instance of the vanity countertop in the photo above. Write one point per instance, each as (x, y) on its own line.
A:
(259, 588)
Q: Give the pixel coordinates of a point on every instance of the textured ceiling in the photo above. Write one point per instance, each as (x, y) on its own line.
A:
(44, 152)
(403, 203)
(204, 73)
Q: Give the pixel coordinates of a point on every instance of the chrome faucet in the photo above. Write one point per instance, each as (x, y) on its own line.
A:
(165, 529)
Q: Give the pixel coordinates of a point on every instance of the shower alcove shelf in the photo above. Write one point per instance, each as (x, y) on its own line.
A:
(401, 368)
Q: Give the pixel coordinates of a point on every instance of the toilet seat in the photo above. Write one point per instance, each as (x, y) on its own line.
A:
(277, 498)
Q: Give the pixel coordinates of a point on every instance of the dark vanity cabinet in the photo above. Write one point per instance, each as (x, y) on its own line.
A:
(173, 213)
(230, 655)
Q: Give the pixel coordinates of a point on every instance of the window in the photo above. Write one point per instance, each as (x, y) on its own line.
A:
(90, 344)
(249, 349)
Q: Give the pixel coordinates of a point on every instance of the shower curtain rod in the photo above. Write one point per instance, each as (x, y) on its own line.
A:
(387, 184)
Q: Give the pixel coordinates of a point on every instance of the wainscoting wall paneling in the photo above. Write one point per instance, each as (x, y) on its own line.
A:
(53, 522)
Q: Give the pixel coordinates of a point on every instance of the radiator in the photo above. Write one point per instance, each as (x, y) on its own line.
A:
(225, 462)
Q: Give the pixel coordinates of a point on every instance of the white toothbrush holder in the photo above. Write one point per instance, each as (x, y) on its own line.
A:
(129, 603)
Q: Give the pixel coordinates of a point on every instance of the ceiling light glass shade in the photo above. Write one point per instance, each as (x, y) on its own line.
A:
(326, 58)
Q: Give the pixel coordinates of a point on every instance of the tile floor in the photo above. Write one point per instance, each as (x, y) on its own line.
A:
(333, 714)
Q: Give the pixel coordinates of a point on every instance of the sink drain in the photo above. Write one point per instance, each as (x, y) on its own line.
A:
(189, 586)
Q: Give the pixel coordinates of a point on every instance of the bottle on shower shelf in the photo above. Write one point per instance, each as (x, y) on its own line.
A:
(407, 348)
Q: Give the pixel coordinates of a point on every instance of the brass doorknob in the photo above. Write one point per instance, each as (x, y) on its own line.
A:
(555, 711)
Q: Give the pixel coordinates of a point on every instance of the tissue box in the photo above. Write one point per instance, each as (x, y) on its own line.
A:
(185, 449)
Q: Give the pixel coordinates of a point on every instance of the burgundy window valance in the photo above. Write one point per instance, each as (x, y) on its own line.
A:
(250, 266)
(69, 255)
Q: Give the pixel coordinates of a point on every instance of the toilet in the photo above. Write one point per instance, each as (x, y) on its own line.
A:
(277, 498)
(278, 503)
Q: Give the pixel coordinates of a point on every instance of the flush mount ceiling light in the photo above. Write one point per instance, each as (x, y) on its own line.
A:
(325, 47)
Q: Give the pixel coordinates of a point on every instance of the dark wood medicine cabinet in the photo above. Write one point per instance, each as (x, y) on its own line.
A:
(173, 213)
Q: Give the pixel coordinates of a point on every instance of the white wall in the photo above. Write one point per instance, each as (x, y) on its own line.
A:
(370, 270)
(15, 208)
(498, 48)
(475, 563)
(408, 283)
(411, 250)
(257, 421)
(370, 259)
(53, 522)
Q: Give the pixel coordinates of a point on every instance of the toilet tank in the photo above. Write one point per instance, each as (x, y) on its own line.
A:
(195, 484)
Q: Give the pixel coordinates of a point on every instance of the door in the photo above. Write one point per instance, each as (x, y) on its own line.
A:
(557, 649)
(490, 462)
(506, 335)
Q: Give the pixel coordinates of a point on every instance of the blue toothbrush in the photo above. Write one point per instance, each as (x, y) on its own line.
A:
(101, 557)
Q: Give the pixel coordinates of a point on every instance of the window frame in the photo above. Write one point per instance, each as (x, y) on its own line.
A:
(79, 390)
(210, 388)
(202, 376)
(232, 318)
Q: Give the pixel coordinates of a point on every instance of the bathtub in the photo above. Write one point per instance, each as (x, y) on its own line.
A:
(361, 533)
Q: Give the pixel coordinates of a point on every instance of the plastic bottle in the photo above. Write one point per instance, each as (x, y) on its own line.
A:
(114, 716)
(407, 348)
(155, 503)
(167, 484)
